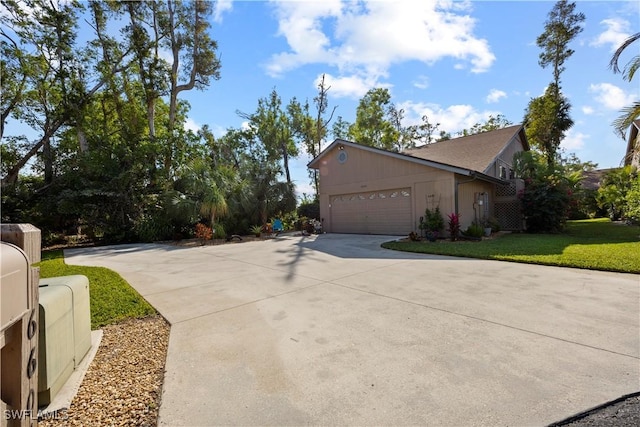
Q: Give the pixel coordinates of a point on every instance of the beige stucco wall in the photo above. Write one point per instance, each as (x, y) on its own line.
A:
(367, 171)
(468, 193)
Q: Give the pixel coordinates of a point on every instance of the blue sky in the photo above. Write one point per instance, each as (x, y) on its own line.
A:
(458, 62)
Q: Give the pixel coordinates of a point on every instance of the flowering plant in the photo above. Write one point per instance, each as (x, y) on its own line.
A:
(454, 225)
(203, 232)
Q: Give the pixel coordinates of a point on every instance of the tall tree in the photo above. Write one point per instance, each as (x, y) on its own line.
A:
(193, 58)
(373, 126)
(312, 130)
(273, 128)
(562, 26)
(552, 108)
(426, 130)
(50, 71)
(546, 119)
(492, 123)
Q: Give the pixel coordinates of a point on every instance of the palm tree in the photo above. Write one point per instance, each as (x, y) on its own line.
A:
(631, 112)
(213, 203)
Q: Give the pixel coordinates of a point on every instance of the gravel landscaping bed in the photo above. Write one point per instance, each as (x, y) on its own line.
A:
(123, 385)
(620, 412)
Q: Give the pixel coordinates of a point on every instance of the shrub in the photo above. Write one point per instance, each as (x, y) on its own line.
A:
(612, 194)
(218, 231)
(633, 201)
(545, 205)
(547, 197)
(150, 229)
(309, 209)
(474, 230)
(256, 230)
(203, 232)
(432, 220)
(413, 236)
(494, 224)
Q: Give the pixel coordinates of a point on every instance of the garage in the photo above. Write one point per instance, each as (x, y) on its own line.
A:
(372, 212)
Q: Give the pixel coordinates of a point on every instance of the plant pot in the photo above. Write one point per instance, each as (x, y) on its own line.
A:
(487, 231)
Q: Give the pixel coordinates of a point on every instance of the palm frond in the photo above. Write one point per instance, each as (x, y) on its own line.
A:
(628, 116)
(613, 64)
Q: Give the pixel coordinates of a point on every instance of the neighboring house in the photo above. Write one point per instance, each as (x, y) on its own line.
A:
(367, 190)
(591, 180)
(632, 155)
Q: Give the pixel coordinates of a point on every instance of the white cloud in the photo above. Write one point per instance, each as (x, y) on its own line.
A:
(221, 6)
(452, 119)
(616, 33)
(191, 125)
(353, 86)
(421, 82)
(610, 96)
(365, 38)
(588, 110)
(573, 141)
(495, 95)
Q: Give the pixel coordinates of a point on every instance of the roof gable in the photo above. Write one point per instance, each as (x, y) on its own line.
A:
(469, 155)
(474, 152)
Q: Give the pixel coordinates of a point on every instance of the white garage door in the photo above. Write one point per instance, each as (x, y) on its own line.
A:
(377, 212)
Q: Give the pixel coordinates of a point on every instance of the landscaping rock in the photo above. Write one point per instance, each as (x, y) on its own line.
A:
(123, 385)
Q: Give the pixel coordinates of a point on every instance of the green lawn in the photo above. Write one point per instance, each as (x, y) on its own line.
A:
(593, 244)
(111, 297)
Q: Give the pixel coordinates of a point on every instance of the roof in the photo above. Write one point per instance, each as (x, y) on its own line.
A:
(315, 163)
(468, 155)
(475, 152)
(591, 179)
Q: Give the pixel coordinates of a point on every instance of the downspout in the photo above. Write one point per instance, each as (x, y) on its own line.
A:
(456, 190)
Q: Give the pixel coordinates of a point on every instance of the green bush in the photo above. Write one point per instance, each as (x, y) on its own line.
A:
(548, 197)
(612, 194)
(150, 229)
(218, 231)
(309, 209)
(633, 201)
(432, 220)
(545, 204)
(474, 230)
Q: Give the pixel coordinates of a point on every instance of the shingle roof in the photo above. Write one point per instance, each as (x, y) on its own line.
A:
(475, 152)
(591, 179)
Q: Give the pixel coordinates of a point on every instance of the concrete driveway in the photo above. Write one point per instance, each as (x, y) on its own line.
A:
(334, 330)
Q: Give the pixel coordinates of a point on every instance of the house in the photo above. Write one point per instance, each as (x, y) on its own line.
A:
(632, 155)
(367, 190)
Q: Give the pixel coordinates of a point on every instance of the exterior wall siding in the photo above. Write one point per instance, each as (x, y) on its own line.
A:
(505, 158)
(365, 171)
(468, 195)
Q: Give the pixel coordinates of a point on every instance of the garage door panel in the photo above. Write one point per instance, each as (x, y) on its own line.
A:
(380, 212)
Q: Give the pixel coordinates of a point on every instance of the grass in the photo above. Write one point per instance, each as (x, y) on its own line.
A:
(595, 244)
(112, 299)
